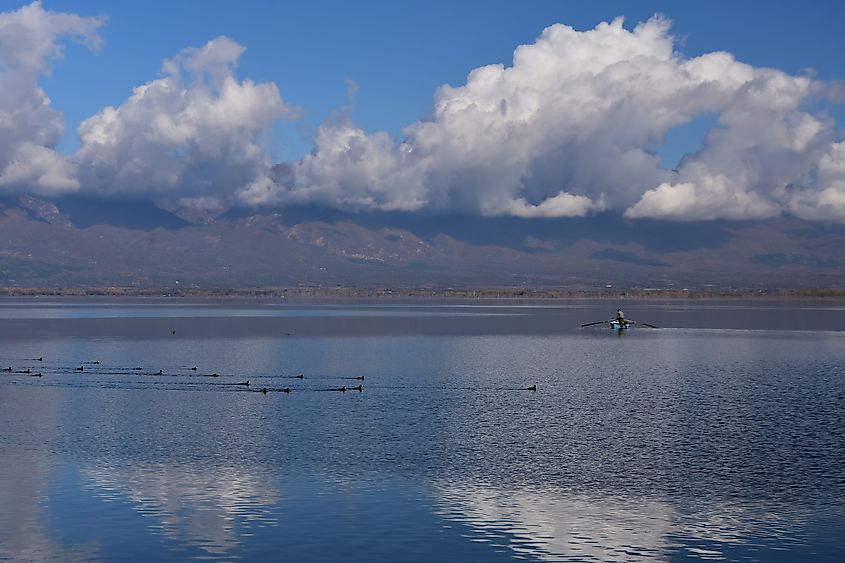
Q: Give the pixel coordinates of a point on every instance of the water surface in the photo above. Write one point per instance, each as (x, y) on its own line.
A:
(718, 436)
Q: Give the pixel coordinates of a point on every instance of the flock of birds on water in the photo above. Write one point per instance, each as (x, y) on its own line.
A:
(95, 368)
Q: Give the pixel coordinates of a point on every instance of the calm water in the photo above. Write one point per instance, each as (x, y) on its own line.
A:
(718, 437)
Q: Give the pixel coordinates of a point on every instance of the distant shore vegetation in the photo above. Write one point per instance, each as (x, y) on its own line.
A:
(387, 293)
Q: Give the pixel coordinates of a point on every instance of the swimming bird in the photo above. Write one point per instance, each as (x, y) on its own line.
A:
(360, 378)
(286, 390)
(300, 376)
(80, 368)
(8, 368)
(264, 390)
(245, 383)
(36, 374)
(137, 369)
(194, 368)
(160, 372)
(531, 388)
(359, 388)
(174, 332)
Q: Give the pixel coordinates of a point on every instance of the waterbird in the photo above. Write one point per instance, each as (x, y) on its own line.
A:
(27, 370)
(137, 369)
(8, 368)
(160, 372)
(286, 390)
(194, 368)
(531, 388)
(174, 332)
(264, 390)
(300, 376)
(358, 388)
(244, 383)
(80, 368)
(36, 374)
(360, 378)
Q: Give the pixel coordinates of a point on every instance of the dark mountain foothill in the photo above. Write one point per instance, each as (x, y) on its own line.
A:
(74, 242)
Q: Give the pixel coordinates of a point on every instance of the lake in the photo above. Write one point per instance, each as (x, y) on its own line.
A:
(719, 436)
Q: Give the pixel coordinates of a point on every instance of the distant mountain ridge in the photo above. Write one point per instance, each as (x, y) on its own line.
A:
(74, 242)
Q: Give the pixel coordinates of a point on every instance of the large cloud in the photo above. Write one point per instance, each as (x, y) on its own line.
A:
(29, 126)
(762, 147)
(195, 132)
(572, 127)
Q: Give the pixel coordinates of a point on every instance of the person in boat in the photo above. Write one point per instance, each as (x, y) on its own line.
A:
(620, 318)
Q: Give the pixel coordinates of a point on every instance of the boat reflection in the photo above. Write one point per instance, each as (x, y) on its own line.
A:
(203, 507)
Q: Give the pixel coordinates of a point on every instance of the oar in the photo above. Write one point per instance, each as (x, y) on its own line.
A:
(595, 323)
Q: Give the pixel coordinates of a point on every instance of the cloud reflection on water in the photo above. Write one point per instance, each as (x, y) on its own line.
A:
(25, 477)
(202, 507)
(555, 525)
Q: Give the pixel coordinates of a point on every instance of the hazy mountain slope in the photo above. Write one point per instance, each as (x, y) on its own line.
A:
(72, 242)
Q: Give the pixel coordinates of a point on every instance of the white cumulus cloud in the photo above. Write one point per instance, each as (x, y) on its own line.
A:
(825, 202)
(195, 132)
(573, 126)
(30, 39)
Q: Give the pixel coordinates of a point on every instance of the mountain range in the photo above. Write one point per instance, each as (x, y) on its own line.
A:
(73, 242)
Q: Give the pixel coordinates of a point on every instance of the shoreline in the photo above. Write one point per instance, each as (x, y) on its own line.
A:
(398, 293)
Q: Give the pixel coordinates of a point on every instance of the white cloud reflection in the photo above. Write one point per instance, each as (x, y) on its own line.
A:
(553, 524)
(197, 506)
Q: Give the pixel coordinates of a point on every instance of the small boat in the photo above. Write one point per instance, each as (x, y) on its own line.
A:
(619, 323)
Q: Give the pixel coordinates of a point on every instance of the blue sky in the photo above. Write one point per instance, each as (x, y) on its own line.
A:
(568, 133)
(398, 53)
